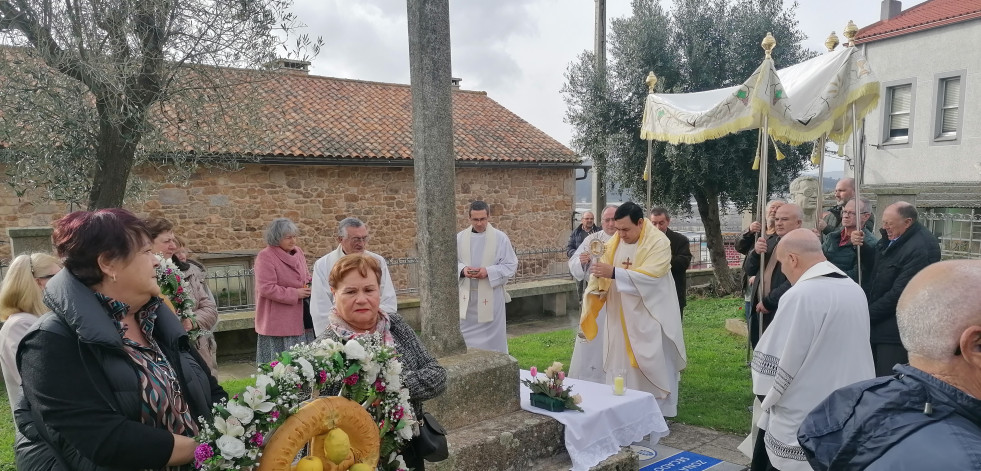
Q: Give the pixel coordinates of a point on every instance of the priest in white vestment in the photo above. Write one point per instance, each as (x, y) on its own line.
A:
(587, 357)
(643, 338)
(352, 237)
(485, 262)
(818, 342)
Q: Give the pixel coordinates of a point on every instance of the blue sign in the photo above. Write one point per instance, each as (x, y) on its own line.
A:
(684, 461)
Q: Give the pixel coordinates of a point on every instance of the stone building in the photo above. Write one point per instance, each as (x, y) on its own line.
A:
(923, 144)
(330, 148)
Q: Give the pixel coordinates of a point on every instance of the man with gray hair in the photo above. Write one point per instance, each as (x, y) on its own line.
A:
(906, 247)
(352, 237)
(928, 414)
(838, 245)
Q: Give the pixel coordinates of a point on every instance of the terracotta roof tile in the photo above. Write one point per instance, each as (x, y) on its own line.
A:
(308, 116)
(927, 15)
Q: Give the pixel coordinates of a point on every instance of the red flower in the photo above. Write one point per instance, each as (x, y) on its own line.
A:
(351, 380)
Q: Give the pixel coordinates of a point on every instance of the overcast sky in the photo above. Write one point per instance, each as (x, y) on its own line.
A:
(515, 50)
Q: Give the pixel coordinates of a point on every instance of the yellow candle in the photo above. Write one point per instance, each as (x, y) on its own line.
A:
(618, 388)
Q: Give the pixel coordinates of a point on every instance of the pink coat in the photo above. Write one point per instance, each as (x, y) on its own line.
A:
(278, 310)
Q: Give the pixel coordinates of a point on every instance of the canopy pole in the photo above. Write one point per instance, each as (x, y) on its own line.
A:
(648, 173)
(857, 156)
(820, 152)
(764, 183)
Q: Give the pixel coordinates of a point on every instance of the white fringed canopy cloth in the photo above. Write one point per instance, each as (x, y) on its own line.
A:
(802, 102)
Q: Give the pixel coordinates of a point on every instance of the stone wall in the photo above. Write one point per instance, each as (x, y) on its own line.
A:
(222, 211)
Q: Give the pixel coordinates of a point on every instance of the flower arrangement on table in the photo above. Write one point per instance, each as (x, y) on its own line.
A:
(368, 373)
(177, 294)
(551, 386)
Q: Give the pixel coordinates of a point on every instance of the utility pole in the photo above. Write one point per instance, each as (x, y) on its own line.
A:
(599, 161)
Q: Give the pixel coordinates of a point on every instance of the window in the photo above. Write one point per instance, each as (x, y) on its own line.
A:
(900, 102)
(947, 110)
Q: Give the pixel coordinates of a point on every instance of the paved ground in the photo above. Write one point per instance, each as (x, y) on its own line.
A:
(683, 437)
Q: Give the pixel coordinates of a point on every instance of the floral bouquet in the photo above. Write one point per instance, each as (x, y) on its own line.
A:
(367, 372)
(551, 386)
(176, 291)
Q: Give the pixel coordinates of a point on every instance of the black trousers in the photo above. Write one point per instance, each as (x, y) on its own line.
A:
(887, 355)
(761, 461)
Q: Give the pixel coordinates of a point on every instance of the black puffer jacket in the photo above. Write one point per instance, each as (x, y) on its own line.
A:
(880, 425)
(82, 384)
(894, 266)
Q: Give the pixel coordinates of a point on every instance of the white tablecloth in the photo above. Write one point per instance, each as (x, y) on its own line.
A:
(608, 422)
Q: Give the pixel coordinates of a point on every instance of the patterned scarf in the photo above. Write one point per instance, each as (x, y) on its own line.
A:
(164, 405)
(346, 332)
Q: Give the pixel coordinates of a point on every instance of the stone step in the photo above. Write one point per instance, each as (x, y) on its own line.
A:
(510, 442)
(518, 441)
(626, 460)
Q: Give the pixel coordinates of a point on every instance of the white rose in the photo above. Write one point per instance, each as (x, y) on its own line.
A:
(230, 447)
(393, 368)
(242, 413)
(405, 433)
(354, 351)
(394, 383)
(369, 371)
(306, 369)
(279, 370)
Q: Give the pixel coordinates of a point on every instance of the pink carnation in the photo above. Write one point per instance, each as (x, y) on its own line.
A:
(398, 413)
(273, 364)
(202, 453)
(322, 377)
(379, 386)
(274, 414)
(257, 439)
(352, 380)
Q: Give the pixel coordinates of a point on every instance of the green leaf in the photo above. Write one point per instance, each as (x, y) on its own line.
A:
(354, 368)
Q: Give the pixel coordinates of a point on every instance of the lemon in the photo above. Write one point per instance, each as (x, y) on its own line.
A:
(310, 463)
(359, 467)
(337, 445)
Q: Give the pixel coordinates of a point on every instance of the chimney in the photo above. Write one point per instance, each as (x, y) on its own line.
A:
(455, 82)
(890, 9)
(289, 65)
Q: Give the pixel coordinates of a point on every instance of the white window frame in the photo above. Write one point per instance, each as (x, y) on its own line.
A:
(886, 120)
(940, 81)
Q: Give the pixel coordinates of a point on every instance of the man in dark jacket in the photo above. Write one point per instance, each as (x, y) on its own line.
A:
(680, 254)
(770, 277)
(906, 247)
(587, 227)
(927, 415)
(838, 247)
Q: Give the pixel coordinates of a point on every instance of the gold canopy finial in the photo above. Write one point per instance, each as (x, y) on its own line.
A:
(832, 42)
(768, 44)
(850, 32)
(651, 81)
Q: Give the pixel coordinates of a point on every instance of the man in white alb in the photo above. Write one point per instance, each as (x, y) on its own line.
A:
(352, 237)
(587, 357)
(818, 342)
(632, 280)
(485, 262)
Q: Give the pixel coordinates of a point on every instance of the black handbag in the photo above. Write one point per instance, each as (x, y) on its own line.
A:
(431, 442)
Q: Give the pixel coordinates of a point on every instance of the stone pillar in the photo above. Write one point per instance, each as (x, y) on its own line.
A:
(435, 174)
(29, 239)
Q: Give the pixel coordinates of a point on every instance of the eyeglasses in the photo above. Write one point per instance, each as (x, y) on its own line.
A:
(852, 213)
(608, 219)
(358, 240)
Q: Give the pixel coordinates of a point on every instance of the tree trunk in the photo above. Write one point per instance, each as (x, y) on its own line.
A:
(114, 161)
(708, 209)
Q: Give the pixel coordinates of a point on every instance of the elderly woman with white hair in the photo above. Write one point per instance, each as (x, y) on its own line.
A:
(282, 282)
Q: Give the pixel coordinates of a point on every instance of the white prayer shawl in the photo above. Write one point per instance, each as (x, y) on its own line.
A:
(322, 300)
(576, 268)
(818, 342)
(587, 357)
(482, 301)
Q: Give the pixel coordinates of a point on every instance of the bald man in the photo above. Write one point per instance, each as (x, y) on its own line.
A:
(927, 415)
(787, 218)
(844, 192)
(817, 343)
(906, 247)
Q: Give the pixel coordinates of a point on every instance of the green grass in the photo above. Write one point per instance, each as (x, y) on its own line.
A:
(6, 432)
(716, 387)
(237, 386)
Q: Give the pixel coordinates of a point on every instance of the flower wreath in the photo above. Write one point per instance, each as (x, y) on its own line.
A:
(175, 289)
(368, 373)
